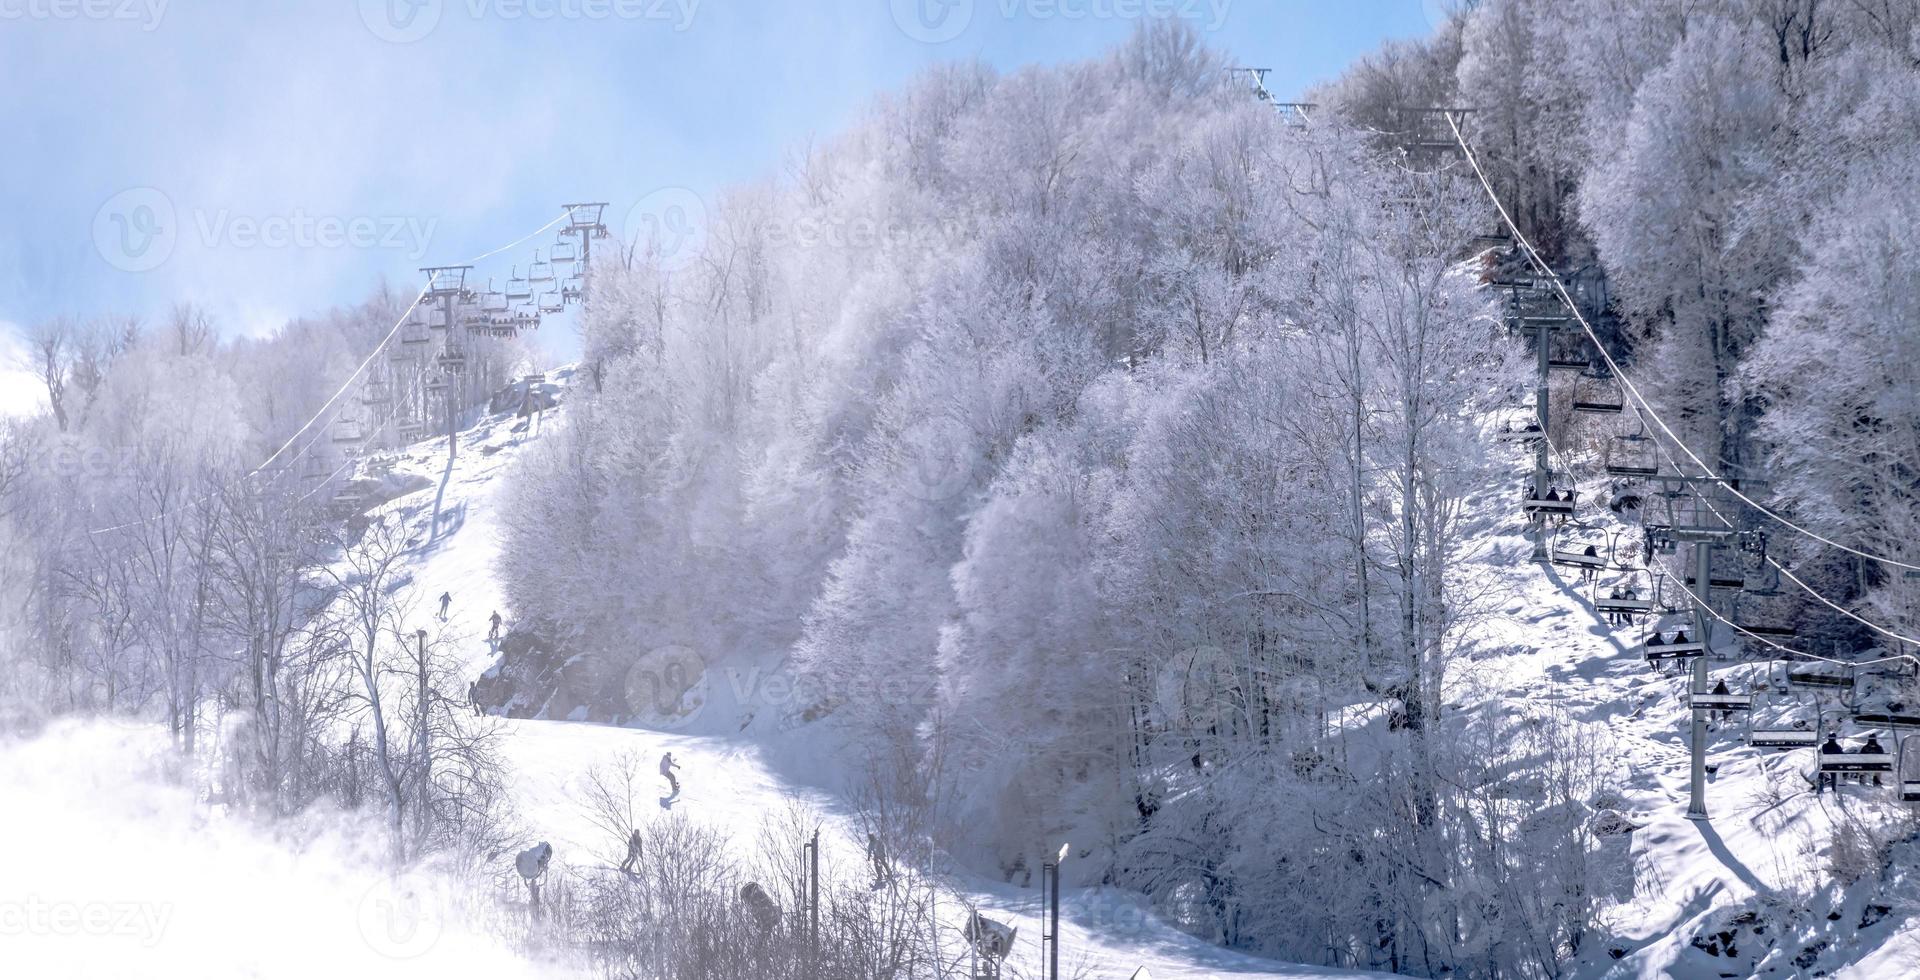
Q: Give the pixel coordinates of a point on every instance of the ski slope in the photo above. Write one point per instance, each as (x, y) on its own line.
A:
(1764, 850)
(184, 891)
(731, 781)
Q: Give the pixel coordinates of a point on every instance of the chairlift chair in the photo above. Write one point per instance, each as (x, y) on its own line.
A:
(563, 252)
(1686, 640)
(519, 290)
(1628, 599)
(493, 301)
(1597, 393)
(1910, 769)
(436, 384)
(1796, 734)
(346, 430)
(1529, 431)
(1829, 678)
(1633, 454)
(572, 288)
(550, 302)
(1868, 758)
(452, 360)
(1581, 547)
(1556, 503)
(1720, 699)
(540, 272)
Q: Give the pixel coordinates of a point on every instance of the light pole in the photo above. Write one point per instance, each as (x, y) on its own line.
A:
(1050, 923)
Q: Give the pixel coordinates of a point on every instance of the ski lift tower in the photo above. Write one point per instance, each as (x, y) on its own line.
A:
(1254, 79)
(1426, 132)
(1702, 513)
(1524, 318)
(447, 288)
(584, 221)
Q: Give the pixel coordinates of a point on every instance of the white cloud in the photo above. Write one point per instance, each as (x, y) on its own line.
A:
(20, 391)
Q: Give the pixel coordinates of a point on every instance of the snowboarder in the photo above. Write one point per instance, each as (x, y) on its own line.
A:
(667, 766)
(493, 634)
(446, 599)
(877, 853)
(764, 909)
(633, 852)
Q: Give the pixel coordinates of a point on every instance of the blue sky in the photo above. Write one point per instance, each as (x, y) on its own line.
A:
(305, 149)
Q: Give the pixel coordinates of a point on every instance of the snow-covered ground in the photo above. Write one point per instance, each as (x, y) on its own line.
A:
(178, 890)
(127, 874)
(1766, 847)
(732, 781)
(114, 870)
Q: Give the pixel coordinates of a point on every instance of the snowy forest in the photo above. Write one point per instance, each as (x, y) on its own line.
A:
(1104, 453)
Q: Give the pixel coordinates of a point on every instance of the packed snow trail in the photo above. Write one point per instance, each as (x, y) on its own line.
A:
(1765, 846)
(729, 782)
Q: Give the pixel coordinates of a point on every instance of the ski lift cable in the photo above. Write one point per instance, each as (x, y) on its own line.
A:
(352, 378)
(1795, 579)
(322, 485)
(384, 341)
(1643, 409)
(1699, 603)
(1743, 631)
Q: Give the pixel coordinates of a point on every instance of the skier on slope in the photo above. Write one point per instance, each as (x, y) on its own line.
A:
(446, 599)
(667, 766)
(493, 634)
(633, 852)
(877, 853)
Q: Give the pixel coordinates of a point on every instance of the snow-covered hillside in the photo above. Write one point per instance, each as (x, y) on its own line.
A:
(732, 781)
(1743, 893)
(222, 898)
(1752, 871)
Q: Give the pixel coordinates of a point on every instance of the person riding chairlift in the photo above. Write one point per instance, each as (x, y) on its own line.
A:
(1587, 572)
(1830, 747)
(1872, 746)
